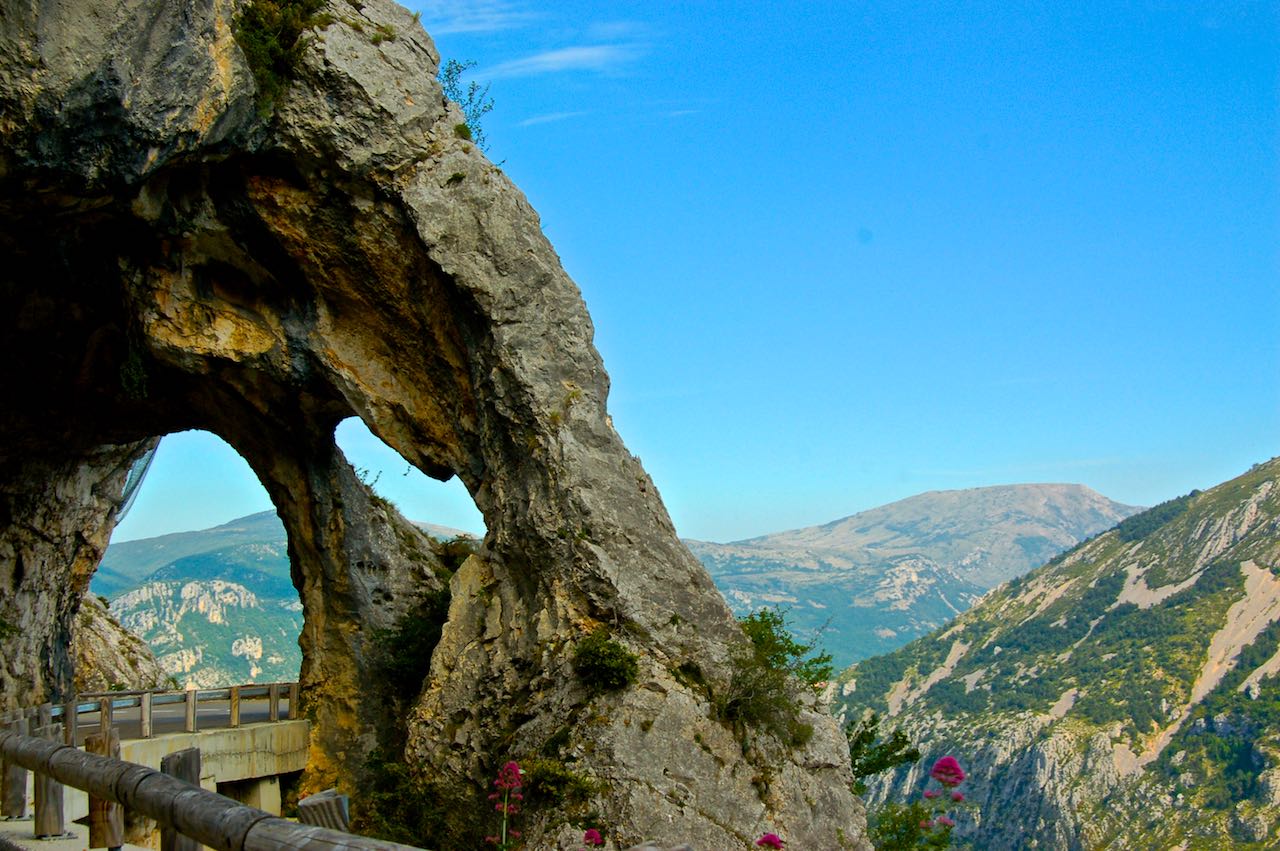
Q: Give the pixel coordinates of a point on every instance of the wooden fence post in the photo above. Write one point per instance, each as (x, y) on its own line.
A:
(184, 765)
(44, 715)
(329, 809)
(273, 702)
(234, 711)
(144, 715)
(48, 820)
(14, 791)
(70, 721)
(106, 818)
(190, 725)
(105, 719)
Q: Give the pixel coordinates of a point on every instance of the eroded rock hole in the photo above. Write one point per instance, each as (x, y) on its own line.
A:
(201, 570)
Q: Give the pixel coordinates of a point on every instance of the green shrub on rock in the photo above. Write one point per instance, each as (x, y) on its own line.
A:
(603, 664)
(765, 687)
(272, 35)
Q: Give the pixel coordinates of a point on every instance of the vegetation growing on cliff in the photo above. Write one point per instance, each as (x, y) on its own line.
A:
(870, 755)
(603, 664)
(761, 691)
(273, 35)
(473, 99)
(1091, 662)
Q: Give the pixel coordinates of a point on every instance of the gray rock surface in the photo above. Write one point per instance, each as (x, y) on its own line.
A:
(176, 258)
(108, 656)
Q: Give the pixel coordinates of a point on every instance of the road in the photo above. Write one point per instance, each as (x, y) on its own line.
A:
(171, 718)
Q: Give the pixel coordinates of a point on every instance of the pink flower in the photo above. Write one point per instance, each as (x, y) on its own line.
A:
(592, 837)
(945, 821)
(931, 793)
(508, 776)
(947, 771)
(769, 840)
(957, 796)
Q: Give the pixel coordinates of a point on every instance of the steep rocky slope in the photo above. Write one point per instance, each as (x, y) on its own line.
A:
(875, 580)
(1123, 696)
(108, 656)
(215, 632)
(261, 251)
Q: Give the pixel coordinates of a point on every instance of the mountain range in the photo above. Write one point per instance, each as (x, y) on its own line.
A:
(870, 582)
(1123, 696)
(218, 605)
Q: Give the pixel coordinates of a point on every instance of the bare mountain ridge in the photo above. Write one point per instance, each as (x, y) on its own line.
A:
(982, 530)
(874, 580)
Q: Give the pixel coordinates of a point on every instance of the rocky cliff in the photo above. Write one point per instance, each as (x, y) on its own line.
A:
(1124, 696)
(191, 241)
(108, 656)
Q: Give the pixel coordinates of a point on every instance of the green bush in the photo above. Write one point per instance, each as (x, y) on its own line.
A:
(549, 783)
(603, 664)
(474, 100)
(869, 755)
(271, 33)
(404, 652)
(764, 687)
(396, 806)
(774, 645)
(901, 827)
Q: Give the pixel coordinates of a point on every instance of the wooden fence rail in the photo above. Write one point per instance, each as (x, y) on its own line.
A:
(206, 817)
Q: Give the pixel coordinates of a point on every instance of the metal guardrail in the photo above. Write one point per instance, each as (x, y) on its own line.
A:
(207, 817)
(105, 705)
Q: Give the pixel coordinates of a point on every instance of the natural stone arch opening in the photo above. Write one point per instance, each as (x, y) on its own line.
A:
(186, 466)
(172, 259)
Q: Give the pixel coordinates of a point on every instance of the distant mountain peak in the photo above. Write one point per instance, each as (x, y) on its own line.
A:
(885, 575)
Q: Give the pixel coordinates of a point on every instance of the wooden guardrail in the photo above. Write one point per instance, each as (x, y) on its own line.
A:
(206, 817)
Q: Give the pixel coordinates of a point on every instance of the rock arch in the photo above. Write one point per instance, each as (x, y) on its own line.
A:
(172, 259)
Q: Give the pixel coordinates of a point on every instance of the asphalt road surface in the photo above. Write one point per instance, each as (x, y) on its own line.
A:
(171, 718)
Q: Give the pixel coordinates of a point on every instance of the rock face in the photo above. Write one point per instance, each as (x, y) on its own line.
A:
(56, 511)
(1123, 696)
(176, 256)
(108, 656)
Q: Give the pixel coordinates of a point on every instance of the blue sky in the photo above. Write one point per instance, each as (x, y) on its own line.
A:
(841, 253)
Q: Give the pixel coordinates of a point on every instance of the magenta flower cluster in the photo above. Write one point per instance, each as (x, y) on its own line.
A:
(506, 797)
(769, 840)
(949, 774)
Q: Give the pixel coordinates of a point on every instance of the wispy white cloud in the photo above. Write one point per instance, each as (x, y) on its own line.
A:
(549, 117)
(472, 16)
(596, 57)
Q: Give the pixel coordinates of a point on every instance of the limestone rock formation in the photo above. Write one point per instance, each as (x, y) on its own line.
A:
(107, 656)
(178, 253)
(1122, 696)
